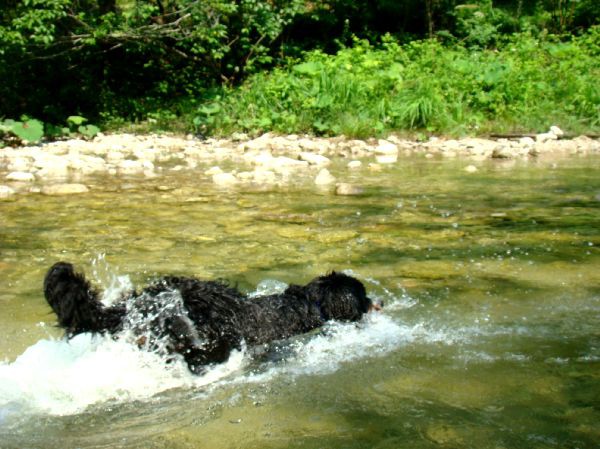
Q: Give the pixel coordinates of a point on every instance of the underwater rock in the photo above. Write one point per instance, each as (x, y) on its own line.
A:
(215, 170)
(225, 179)
(354, 164)
(470, 169)
(324, 178)
(64, 189)
(386, 158)
(346, 189)
(264, 176)
(6, 191)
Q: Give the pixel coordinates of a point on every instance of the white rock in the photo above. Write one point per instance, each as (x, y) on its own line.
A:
(314, 159)
(245, 176)
(20, 163)
(260, 143)
(6, 191)
(20, 176)
(114, 156)
(544, 137)
(88, 164)
(225, 179)
(283, 161)
(131, 167)
(281, 164)
(557, 131)
(314, 145)
(386, 158)
(215, 170)
(451, 145)
(52, 168)
(354, 164)
(64, 189)
(470, 169)
(324, 178)
(502, 152)
(526, 142)
(264, 176)
(385, 148)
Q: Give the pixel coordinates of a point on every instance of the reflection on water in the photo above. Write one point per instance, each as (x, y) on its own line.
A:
(489, 337)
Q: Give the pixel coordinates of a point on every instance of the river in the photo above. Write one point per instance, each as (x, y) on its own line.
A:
(489, 338)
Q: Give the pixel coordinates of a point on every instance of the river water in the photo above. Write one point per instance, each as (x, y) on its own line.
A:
(489, 338)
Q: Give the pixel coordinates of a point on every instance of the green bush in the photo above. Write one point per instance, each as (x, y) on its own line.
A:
(527, 84)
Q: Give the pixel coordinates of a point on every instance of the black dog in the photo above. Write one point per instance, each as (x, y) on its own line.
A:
(203, 320)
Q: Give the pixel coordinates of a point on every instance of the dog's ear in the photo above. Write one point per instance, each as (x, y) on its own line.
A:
(340, 297)
(72, 298)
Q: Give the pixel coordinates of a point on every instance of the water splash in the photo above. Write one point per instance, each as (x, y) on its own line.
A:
(61, 377)
(113, 286)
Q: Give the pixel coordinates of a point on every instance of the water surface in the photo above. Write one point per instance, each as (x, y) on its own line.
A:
(489, 338)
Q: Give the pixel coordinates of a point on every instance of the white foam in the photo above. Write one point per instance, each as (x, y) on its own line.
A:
(375, 336)
(62, 377)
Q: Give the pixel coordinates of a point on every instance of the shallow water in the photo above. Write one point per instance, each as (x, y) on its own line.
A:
(489, 337)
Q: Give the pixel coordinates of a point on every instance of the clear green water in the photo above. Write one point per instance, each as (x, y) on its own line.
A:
(491, 282)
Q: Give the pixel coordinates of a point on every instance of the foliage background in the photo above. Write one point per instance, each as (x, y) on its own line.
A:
(327, 66)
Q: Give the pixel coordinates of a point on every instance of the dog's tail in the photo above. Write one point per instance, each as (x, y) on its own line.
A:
(76, 303)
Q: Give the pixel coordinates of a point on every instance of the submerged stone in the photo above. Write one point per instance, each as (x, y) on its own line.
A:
(225, 179)
(6, 191)
(346, 189)
(64, 189)
(324, 178)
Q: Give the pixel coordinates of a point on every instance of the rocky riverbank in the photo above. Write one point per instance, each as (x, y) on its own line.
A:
(63, 167)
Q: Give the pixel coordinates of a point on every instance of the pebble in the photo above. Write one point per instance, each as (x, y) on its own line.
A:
(354, 164)
(471, 169)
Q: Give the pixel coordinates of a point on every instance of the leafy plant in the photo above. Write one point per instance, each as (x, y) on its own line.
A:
(76, 124)
(27, 130)
(32, 130)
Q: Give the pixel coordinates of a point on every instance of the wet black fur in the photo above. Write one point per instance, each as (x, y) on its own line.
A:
(216, 318)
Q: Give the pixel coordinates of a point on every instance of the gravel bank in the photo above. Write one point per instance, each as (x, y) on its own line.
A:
(62, 167)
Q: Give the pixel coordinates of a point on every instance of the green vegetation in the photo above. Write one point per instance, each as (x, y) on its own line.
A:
(525, 84)
(32, 130)
(337, 66)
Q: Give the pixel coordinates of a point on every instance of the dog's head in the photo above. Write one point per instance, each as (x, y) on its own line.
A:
(73, 300)
(339, 296)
